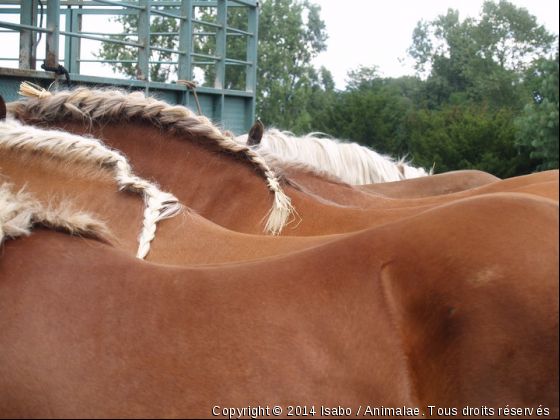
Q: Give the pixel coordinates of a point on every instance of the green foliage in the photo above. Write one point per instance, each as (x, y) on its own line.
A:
(467, 137)
(538, 126)
(484, 59)
(291, 34)
(373, 111)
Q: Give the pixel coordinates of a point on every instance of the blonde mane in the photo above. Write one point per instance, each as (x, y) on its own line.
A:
(113, 105)
(350, 162)
(19, 212)
(70, 148)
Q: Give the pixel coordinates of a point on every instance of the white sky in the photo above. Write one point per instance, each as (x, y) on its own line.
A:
(378, 32)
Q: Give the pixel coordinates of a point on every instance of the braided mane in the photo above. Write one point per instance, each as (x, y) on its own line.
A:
(19, 212)
(59, 144)
(116, 106)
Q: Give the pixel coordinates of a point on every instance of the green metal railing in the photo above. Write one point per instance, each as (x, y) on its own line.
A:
(233, 107)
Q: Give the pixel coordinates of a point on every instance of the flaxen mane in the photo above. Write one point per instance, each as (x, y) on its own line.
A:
(19, 212)
(114, 105)
(350, 162)
(70, 148)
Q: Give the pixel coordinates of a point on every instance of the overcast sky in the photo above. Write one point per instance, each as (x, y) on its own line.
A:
(378, 32)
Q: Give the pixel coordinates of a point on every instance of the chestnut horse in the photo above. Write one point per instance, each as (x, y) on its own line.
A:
(203, 167)
(455, 311)
(58, 167)
(418, 192)
(440, 184)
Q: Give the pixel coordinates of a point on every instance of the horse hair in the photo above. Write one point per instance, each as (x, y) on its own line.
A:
(115, 105)
(159, 205)
(350, 163)
(19, 212)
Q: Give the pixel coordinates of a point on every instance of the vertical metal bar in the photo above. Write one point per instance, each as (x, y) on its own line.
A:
(221, 42)
(53, 38)
(252, 56)
(143, 70)
(185, 40)
(68, 40)
(252, 49)
(27, 38)
(73, 44)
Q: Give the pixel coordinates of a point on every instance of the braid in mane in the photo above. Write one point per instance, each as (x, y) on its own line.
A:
(115, 105)
(19, 212)
(15, 213)
(159, 205)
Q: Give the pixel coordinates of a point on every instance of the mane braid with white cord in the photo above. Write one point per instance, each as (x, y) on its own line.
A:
(159, 205)
(113, 105)
(19, 212)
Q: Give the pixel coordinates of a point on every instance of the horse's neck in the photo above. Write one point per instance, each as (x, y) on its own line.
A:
(202, 177)
(54, 182)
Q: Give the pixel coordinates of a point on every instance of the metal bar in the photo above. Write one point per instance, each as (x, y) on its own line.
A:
(122, 4)
(168, 50)
(68, 41)
(27, 38)
(251, 77)
(19, 26)
(203, 22)
(250, 3)
(84, 60)
(127, 34)
(75, 43)
(88, 60)
(53, 37)
(238, 62)
(143, 70)
(106, 12)
(210, 57)
(184, 72)
(99, 38)
(221, 43)
(166, 14)
(30, 74)
(239, 31)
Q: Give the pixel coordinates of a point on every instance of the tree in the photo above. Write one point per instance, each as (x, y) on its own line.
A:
(291, 34)
(467, 137)
(483, 59)
(538, 126)
(373, 110)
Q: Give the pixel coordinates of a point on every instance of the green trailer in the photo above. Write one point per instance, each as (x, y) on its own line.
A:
(55, 46)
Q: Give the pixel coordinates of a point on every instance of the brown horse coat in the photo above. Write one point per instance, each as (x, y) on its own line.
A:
(454, 310)
(184, 239)
(229, 192)
(217, 183)
(434, 185)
